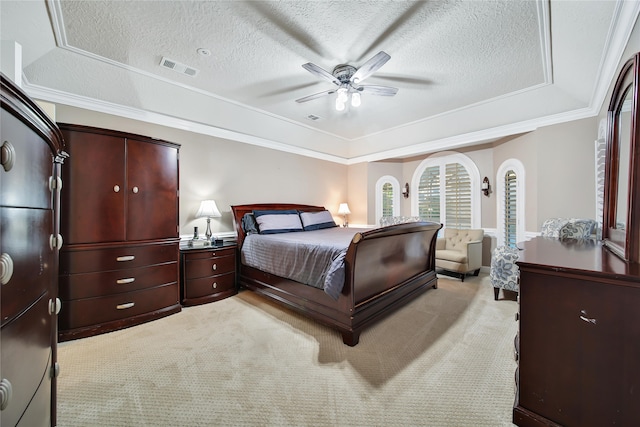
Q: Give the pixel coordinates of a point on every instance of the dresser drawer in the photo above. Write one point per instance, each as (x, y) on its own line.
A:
(88, 285)
(26, 353)
(208, 286)
(31, 256)
(26, 184)
(205, 267)
(117, 258)
(95, 311)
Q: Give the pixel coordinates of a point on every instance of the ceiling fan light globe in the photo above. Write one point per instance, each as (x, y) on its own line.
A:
(355, 99)
(343, 94)
(339, 105)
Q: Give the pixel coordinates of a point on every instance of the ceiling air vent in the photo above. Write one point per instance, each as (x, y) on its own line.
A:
(178, 67)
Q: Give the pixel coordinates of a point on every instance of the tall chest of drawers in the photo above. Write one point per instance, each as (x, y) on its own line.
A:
(32, 155)
(119, 266)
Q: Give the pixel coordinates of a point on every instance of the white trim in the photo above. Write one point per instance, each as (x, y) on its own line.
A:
(544, 31)
(50, 95)
(516, 166)
(441, 160)
(396, 195)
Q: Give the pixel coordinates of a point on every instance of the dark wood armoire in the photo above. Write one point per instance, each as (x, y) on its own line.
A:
(119, 217)
(32, 155)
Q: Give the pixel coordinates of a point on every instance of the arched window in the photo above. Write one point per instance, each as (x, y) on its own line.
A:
(510, 199)
(387, 197)
(447, 190)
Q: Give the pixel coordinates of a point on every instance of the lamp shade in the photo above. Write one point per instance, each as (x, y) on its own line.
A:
(344, 209)
(208, 209)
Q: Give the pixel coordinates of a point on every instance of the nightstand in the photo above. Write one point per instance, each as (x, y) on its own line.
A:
(207, 273)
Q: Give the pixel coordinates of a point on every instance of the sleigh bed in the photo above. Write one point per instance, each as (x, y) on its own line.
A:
(384, 268)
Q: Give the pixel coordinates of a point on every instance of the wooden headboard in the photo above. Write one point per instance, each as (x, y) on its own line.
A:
(240, 210)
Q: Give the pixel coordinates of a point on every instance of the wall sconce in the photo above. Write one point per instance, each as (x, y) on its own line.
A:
(208, 209)
(344, 210)
(405, 190)
(485, 187)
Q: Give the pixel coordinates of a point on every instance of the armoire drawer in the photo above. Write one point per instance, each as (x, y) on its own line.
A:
(95, 311)
(116, 258)
(207, 286)
(26, 356)
(210, 266)
(88, 285)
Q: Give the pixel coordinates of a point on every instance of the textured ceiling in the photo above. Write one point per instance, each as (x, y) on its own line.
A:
(483, 69)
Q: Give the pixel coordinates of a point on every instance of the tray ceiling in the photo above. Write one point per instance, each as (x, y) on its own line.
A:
(467, 71)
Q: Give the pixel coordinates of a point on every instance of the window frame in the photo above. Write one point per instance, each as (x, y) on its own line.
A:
(396, 195)
(441, 160)
(516, 166)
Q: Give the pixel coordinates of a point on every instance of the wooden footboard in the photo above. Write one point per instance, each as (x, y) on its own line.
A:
(384, 269)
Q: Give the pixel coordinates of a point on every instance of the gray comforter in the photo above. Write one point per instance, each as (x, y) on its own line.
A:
(315, 258)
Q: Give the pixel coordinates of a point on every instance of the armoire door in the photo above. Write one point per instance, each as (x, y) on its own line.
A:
(94, 188)
(152, 202)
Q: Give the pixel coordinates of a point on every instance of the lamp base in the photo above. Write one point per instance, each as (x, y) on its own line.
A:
(208, 233)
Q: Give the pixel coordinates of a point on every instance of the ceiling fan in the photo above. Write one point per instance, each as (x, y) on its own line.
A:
(348, 80)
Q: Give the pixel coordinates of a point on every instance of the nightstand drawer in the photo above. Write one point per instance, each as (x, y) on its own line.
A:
(205, 267)
(209, 286)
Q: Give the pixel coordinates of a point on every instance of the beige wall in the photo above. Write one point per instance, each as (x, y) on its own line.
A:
(231, 172)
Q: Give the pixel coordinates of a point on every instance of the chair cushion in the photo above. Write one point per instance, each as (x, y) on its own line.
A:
(452, 255)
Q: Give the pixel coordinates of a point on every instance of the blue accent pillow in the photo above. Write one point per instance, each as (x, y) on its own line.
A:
(272, 222)
(317, 220)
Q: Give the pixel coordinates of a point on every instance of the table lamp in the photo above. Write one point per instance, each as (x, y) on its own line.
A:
(208, 209)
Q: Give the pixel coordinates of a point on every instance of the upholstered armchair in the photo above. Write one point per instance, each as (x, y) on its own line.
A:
(504, 271)
(460, 251)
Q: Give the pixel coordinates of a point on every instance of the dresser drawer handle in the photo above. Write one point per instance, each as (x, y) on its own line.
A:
(125, 281)
(583, 317)
(6, 390)
(8, 156)
(125, 306)
(55, 306)
(116, 188)
(215, 267)
(6, 271)
(215, 285)
(125, 258)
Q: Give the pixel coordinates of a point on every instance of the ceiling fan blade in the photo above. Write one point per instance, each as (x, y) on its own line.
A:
(370, 67)
(315, 95)
(314, 69)
(378, 90)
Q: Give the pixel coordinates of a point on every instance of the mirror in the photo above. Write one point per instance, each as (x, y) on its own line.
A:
(624, 151)
(621, 227)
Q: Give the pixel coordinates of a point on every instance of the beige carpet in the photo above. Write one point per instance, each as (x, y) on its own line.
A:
(446, 359)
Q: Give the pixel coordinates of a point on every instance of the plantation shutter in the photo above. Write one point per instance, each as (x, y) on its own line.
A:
(429, 194)
(387, 199)
(457, 196)
(510, 224)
